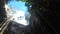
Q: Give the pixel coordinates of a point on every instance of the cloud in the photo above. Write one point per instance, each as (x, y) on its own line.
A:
(19, 17)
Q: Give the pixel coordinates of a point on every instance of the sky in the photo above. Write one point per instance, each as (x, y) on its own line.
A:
(18, 5)
(21, 10)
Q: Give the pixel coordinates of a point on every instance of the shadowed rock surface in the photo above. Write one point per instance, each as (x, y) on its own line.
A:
(2, 11)
(45, 18)
(15, 28)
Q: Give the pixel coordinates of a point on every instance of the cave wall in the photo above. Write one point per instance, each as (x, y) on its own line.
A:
(2, 10)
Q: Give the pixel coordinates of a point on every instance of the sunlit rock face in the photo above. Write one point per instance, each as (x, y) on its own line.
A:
(8, 10)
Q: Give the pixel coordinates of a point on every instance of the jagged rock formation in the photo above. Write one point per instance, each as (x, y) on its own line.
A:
(46, 17)
(15, 28)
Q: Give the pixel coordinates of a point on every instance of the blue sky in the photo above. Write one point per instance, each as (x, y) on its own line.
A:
(18, 5)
